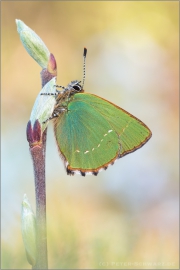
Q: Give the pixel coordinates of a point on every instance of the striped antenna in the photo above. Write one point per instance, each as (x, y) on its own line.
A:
(84, 66)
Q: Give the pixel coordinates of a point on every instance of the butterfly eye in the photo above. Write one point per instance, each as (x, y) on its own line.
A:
(77, 87)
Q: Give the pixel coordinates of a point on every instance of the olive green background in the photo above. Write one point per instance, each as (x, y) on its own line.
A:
(127, 216)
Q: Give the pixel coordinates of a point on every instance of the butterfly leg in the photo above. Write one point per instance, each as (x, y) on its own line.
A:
(53, 94)
(59, 86)
(57, 91)
(49, 94)
(55, 114)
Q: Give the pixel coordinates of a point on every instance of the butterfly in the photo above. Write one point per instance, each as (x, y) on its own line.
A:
(92, 133)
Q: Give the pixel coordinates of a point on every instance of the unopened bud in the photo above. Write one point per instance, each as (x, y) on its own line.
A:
(33, 44)
(44, 105)
(28, 228)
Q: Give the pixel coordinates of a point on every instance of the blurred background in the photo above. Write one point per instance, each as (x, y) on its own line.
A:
(127, 216)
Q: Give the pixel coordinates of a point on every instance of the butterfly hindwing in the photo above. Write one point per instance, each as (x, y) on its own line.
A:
(93, 132)
(132, 132)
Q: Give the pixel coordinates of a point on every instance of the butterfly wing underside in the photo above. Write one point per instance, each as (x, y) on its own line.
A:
(93, 133)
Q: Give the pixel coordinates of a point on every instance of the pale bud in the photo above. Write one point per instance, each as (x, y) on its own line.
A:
(33, 44)
(28, 228)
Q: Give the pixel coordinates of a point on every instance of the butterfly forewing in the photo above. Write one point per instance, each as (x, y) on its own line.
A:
(85, 138)
(94, 132)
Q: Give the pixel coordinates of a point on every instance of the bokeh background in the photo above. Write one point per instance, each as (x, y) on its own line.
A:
(127, 216)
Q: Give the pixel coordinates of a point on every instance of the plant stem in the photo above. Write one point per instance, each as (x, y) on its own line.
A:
(37, 143)
(38, 157)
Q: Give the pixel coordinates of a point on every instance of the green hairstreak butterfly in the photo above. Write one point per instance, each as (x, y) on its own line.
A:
(91, 132)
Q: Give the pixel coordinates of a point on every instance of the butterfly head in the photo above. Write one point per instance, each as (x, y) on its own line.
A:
(75, 85)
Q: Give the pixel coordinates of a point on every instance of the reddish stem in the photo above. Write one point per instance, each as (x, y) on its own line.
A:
(37, 143)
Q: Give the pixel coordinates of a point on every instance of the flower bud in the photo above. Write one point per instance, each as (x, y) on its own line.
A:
(28, 228)
(44, 105)
(33, 44)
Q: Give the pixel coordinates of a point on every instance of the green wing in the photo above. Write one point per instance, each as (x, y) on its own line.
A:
(93, 133)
